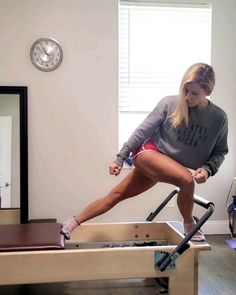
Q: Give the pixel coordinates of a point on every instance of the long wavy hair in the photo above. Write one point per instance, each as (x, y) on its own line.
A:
(204, 75)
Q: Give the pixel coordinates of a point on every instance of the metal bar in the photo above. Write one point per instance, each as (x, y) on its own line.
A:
(183, 245)
(202, 202)
(152, 215)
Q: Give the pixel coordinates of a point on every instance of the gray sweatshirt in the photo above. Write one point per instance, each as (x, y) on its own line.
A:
(203, 143)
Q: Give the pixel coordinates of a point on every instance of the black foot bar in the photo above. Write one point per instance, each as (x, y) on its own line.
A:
(183, 245)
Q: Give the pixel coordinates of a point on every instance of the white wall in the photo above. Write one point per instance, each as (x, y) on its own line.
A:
(73, 110)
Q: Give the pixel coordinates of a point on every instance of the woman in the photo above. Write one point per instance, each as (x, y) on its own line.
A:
(182, 132)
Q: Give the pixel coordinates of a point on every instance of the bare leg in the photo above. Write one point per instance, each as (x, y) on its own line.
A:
(132, 185)
(164, 169)
(150, 167)
(185, 204)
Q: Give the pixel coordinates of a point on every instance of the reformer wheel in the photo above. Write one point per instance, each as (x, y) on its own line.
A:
(164, 284)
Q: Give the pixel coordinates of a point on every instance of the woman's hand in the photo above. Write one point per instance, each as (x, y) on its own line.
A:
(200, 175)
(114, 169)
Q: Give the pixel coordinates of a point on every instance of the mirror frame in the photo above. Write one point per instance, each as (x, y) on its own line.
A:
(22, 91)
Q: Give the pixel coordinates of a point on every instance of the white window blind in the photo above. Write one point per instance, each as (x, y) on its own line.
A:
(157, 43)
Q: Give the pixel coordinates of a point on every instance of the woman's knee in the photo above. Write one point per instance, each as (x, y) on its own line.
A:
(186, 182)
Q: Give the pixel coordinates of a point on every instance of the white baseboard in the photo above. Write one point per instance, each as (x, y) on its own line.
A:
(216, 227)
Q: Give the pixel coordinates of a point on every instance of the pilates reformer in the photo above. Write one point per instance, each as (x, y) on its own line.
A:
(38, 253)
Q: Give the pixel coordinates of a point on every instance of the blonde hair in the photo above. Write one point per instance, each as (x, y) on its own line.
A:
(204, 75)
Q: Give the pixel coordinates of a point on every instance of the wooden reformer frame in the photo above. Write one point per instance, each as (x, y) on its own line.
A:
(76, 263)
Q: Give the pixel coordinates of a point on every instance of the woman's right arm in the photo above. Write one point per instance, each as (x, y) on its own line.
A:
(142, 132)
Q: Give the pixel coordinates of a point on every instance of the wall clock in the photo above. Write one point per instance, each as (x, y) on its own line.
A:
(46, 54)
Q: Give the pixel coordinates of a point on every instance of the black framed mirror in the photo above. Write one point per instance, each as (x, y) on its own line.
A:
(14, 149)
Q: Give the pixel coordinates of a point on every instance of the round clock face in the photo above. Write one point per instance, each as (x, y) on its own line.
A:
(46, 54)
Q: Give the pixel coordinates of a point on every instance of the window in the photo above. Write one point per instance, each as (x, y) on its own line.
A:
(157, 43)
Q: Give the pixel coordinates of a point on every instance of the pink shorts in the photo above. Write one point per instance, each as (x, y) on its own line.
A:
(148, 145)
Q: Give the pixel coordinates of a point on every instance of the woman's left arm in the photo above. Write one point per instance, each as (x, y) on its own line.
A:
(219, 151)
